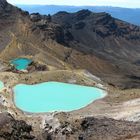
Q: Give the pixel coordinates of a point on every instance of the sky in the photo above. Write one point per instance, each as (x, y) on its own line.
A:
(116, 3)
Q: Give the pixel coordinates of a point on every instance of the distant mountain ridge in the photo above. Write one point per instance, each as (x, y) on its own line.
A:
(126, 14)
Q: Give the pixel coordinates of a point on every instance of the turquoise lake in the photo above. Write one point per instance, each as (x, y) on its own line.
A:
(21, 63)
(1, 85)
(54, 96)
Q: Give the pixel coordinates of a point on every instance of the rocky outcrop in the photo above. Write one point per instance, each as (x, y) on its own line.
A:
(93, 129)
(101, 23)
(35, 17)
(35, 66)
(3, 4)
(83, 14)
(82, 129)
(12, 129)
(80, 25)
(48, 30)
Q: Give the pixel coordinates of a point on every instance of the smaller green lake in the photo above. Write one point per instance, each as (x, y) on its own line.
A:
(21, 63)
(54, 96)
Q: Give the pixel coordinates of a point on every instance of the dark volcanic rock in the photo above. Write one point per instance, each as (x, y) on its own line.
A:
(95, 129)
(102, 23)
(59, 34)
(3, 4)
(83, 129)
(34, 66)
(109, 128)
(81, 15)
(11, 129)
(35, 17)
(79, 25)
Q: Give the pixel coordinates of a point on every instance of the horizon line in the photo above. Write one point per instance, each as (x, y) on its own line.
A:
(77, 5)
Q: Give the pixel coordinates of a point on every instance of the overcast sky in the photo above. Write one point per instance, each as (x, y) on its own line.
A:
(117, 3)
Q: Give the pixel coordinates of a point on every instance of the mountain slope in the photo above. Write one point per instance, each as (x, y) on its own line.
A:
(100, 35)
(105, 46)
(126, 14)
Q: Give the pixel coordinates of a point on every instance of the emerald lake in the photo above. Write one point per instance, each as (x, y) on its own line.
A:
(54, 96)
(1, 85)
(21, 63)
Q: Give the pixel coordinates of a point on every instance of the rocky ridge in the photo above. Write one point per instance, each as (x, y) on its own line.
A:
(83, 129)
(12, 129)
